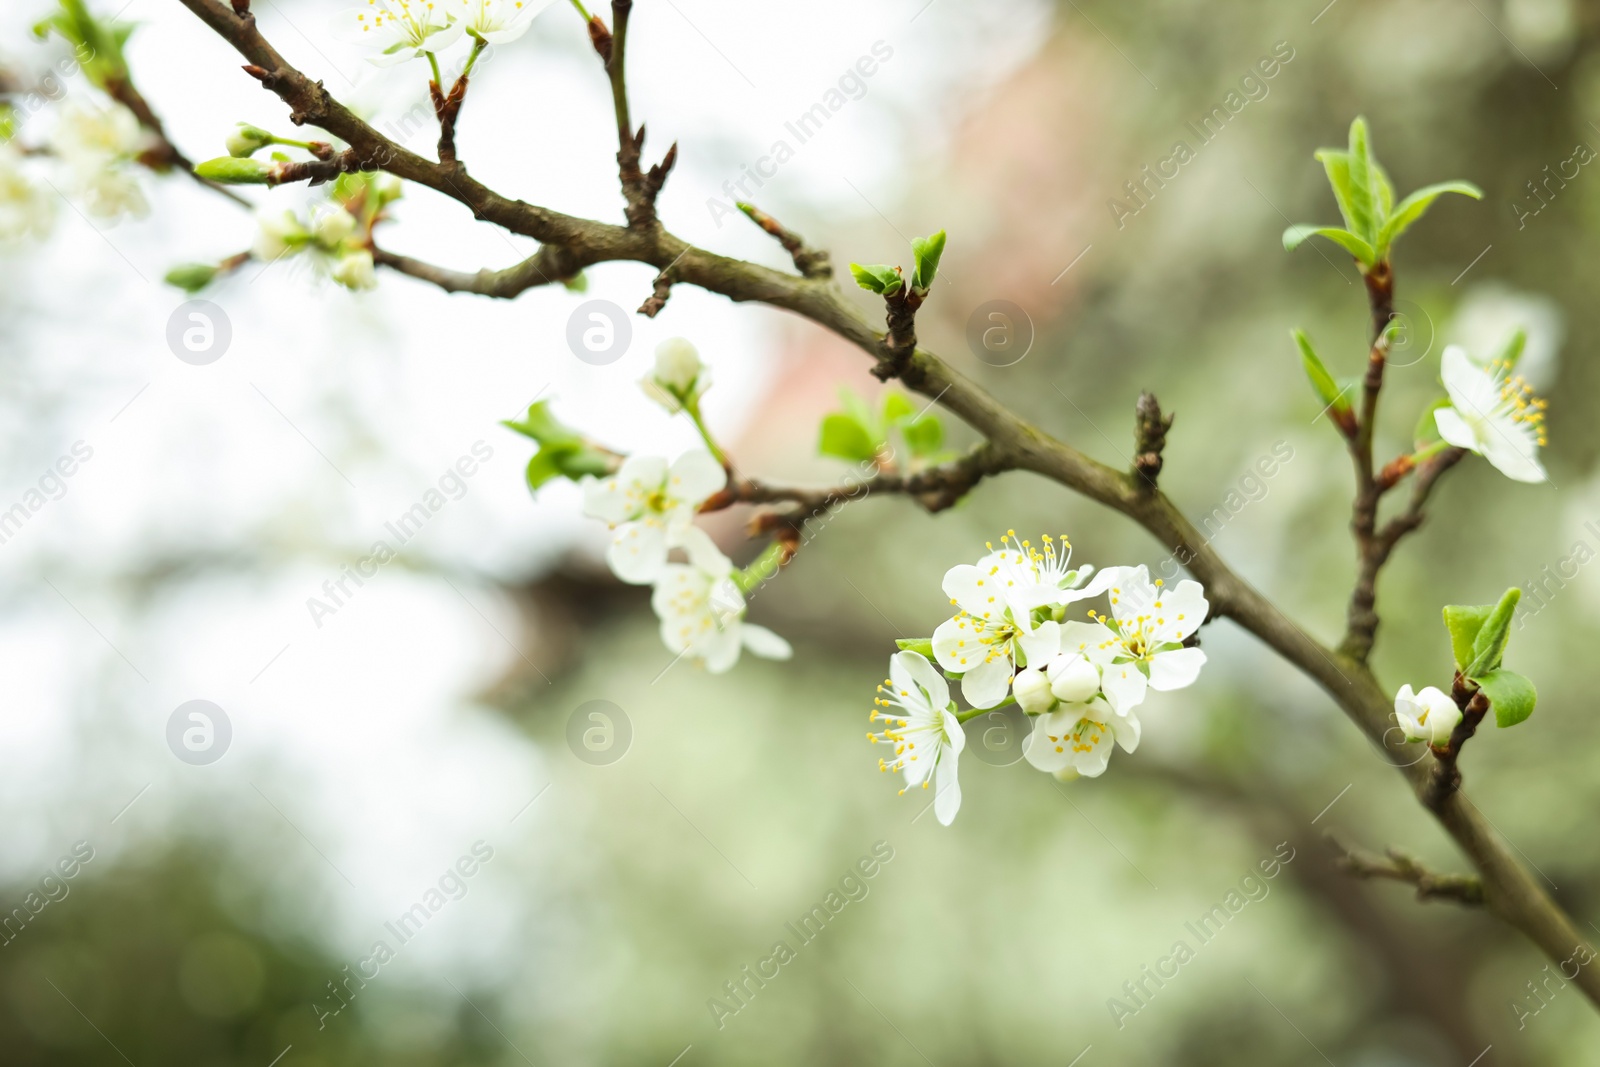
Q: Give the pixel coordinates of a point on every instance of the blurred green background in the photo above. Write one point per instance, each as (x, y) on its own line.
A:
(205, 931)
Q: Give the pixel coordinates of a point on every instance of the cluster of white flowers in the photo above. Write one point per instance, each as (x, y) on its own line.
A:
(93, 149)
(408, 29)
(1079, 682)
(650, 506)
(99, 145)
(332, 241)
(27, 208)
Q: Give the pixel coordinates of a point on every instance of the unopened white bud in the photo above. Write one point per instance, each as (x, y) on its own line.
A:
(678, 365)
(1032, 690)
(355, 270)
(332, 227)
(1073, 679)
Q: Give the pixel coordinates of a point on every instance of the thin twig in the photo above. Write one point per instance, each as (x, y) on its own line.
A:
(1396, 865)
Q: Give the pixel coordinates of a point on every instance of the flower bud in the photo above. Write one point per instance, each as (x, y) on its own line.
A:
(278, 235)
(1426, 716)
(247, 140)
(1032, 691)
(191, 277)
(355, 270)
(230, 171)
(678, 365)
(1073, 679)
(332, 227)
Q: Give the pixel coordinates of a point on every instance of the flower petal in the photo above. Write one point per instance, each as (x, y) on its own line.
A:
(695, 476)
(764, 643)
(975, 590)
(1175, 669)
(720, 648)
(1513, 448)
(1093, 639)
(947, 789)
(1472, 389)
(1040, 751)
(638, 552)
(1127, 731)
(956, 645)
(1042, 644)
(987, 684)
(1124, 686)
(1454, 429)
(1179, 611)
(917, 670)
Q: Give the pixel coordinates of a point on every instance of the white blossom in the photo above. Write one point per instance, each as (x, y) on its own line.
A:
(278, 234)
(1002, 603)
(1140, 645)
(98, 146)
(355, 270)
(926, 735)
(1493, 414)
(651, 506)
(26, 209)
(702, 611)
(400, 29)
(1078, 739)
(499, 21)
(1426, 716)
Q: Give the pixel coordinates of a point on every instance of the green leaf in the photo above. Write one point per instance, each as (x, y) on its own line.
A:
(1294, 236)
(1364, 218)
(925, 436)
(541, 468)
(844, 437)
(1383, 190)
(545, 427)
(1464, 622)
(580, 462)
(1415, 206)
(1327, 389)
(1427, 430)
(191, 277)
(1336, 163)
(896, 406)
(1511, 695)
(921, 645)
(878, 278)
(927, 251)
(1489, 647)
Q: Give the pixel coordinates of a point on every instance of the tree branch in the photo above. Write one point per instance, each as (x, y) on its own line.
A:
(1509, 890)
(1399, 866)
(811, 263)
(936, 489)
(549, 264)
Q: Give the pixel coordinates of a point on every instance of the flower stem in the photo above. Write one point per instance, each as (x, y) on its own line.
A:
(581, 10)
(478, 45)
(693, 410)
(973, 713)
(433, 61)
